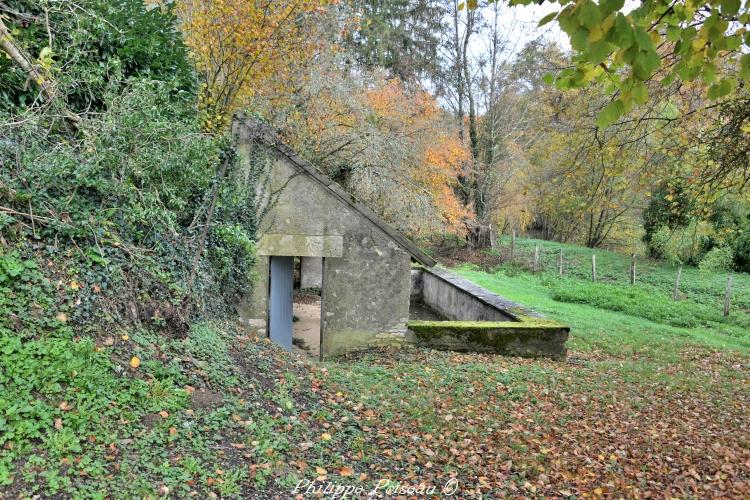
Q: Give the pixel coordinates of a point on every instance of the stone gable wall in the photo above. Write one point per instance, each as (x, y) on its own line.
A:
(366, 289)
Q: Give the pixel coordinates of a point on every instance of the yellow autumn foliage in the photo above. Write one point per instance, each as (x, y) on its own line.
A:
(242, 48)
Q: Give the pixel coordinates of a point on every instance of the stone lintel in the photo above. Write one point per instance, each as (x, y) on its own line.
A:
(301, 245)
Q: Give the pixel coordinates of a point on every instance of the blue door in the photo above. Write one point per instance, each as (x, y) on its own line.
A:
(280, 301)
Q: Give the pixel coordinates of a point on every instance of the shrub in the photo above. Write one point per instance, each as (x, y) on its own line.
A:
(716, 260)
(741, 250)
(685, 245)
(641, 301)
(97, 47)
(669, 207)
(123, 207)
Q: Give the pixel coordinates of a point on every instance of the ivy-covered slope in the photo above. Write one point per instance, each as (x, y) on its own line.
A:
(131, 412)
(125, 245)
(108, 282)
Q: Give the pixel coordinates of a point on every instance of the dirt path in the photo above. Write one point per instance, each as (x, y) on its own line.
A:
(306, 331)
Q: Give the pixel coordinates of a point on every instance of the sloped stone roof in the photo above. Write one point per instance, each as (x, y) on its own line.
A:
(262, 133)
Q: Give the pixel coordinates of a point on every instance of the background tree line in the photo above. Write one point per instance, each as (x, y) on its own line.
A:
(442, 114)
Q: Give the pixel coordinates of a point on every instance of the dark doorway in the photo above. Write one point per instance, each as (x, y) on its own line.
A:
(307, 305)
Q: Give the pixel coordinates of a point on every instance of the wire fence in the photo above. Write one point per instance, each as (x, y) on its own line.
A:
(727, 290)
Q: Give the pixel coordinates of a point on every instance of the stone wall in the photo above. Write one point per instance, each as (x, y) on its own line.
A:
(530, 338)
(311, 270)
(480, 321)
(456, 299)
(365, 298)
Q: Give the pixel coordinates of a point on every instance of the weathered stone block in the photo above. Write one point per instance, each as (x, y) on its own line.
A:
(533, 337)
(301, 245)
(312, 272)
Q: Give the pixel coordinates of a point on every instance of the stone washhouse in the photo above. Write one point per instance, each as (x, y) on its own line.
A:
(314, 236)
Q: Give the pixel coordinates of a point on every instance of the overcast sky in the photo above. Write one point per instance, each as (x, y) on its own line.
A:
(520, 23)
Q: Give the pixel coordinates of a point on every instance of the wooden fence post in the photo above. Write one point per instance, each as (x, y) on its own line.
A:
(536, 258)
(632, 270)
(560, 262)
(676, 291)
(593, 267)
(728, 295)
(513, 245)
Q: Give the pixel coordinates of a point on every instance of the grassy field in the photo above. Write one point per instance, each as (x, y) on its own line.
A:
(653, 401)
(645, 312)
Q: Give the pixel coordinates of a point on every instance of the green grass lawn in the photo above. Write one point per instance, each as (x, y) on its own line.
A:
(653, 400)
(638, 325)
(613, 268)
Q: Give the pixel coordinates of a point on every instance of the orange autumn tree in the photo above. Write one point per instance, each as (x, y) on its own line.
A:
(439, 155)
(443, 161)
(392, 147)
(242, 48)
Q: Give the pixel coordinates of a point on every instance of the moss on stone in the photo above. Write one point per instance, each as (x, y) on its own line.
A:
(524, 323)
(530, 337)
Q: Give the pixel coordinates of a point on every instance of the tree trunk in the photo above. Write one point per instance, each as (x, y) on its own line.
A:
(490, 115)
(480, 235)
(473, 197)
(43, 80)
(459, 72)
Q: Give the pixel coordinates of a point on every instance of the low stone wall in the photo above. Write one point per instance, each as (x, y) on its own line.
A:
(456, 298)
(531, 339)
(479, 320)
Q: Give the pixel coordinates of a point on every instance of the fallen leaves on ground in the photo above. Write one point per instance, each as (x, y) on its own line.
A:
(508, 426)
(595, 426)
